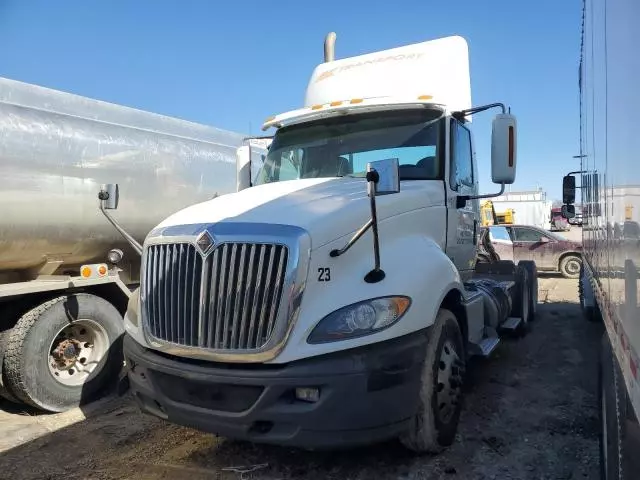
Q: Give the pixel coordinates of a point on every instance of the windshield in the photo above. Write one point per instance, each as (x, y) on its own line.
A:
(342, 146)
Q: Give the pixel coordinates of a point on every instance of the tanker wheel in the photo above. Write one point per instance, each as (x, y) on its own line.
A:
(4, 391)
(441, 391)
(62, 353)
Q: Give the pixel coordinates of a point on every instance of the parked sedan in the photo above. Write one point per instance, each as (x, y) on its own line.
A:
(549, 250)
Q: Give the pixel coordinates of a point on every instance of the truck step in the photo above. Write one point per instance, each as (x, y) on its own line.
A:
(512, 323)
(488, 345)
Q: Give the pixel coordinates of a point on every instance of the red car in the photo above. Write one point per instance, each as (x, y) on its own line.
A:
(549, 250)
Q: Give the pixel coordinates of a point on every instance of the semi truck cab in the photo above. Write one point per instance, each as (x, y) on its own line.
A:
(334, 299)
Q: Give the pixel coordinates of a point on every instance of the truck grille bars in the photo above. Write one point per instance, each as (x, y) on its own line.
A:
(227, 299)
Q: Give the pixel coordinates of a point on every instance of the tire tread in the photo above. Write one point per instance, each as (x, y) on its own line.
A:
(5, 392)
(14, 357)
(423, 438)
(20, 380)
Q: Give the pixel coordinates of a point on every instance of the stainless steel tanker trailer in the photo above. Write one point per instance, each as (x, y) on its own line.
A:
(65, 274)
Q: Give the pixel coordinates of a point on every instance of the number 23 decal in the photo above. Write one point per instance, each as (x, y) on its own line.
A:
(324, 274)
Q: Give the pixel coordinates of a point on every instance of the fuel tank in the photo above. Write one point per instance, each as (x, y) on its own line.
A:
(56, 149)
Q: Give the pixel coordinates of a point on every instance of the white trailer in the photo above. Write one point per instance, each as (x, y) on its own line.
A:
(610, 194)
(334, 300)
(60, 261)
(530, 208)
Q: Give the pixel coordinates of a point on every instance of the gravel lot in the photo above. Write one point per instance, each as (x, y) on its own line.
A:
(530, 413)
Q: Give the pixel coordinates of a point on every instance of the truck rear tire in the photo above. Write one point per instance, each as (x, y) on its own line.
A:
(436, 422)
(532, 270)
(521, 306)
(63, 352)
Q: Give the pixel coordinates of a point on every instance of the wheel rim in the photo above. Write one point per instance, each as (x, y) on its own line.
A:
(572, 267)
(449, 384)
(76, 352)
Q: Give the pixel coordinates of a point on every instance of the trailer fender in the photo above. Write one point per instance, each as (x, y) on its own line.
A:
(31, 293)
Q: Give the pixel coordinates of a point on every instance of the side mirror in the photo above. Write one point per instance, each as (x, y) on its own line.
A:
(544, 239)
(569, 190)
(568, 211)
(503, 149)
(388, 171)
(109, 196)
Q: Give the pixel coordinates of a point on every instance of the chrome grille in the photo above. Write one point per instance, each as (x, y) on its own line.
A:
(226, 301)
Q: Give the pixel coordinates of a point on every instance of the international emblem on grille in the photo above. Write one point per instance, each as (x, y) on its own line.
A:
(205, 242)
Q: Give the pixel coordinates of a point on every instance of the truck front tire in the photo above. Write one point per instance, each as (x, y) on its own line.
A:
(436, 422)
(62, 353)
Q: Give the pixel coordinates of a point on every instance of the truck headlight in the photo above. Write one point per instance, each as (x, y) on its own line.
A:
(359, 319)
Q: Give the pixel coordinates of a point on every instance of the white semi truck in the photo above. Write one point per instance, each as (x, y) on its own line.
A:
(608, 282)
(65, 273)
(334, 299)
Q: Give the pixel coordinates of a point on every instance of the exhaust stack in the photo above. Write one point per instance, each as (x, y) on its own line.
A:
(329, 47)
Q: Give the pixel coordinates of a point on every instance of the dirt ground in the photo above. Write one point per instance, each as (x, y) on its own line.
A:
(530, 413)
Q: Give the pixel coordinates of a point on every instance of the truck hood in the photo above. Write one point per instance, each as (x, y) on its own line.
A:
(327, 208)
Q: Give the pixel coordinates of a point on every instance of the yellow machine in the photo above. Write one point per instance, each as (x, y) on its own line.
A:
(490, 217)
(507, 217)
(488, 214)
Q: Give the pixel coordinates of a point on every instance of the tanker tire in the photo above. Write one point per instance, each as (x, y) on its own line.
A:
(431, 431)
(4, 391)
(532, 271)
(26, 362)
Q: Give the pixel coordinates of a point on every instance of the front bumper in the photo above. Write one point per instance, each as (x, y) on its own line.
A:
(367, 394)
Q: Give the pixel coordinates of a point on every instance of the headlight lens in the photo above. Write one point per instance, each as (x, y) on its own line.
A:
(358, 319)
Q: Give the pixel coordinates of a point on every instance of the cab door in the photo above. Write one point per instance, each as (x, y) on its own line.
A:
(462, 217)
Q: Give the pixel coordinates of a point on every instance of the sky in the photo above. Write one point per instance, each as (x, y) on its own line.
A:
(232, 64)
